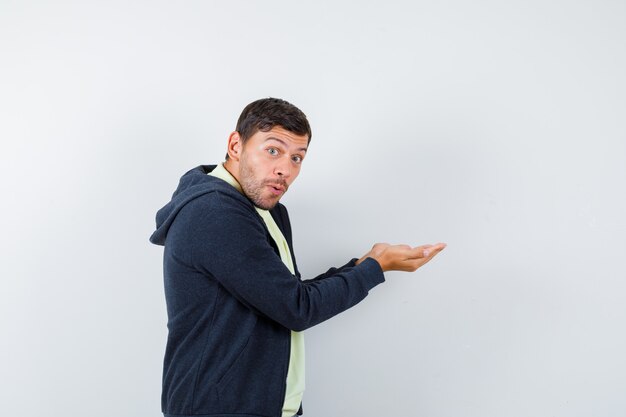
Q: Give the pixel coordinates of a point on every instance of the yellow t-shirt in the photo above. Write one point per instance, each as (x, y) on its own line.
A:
(295, 374)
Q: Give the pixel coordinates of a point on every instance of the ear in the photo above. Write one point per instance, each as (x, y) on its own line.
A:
(235, 146)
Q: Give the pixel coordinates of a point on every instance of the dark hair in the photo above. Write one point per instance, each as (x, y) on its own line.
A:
(266, 113)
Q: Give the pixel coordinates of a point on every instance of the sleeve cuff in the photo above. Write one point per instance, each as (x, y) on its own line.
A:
(372, 272)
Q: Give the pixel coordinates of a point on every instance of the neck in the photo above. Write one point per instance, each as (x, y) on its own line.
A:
(232, 167)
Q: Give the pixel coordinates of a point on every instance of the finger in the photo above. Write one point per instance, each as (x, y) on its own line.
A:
(423, 251)
(419, 252)
(415, 264)
(418, 263)
(434, 249)
(405, 252)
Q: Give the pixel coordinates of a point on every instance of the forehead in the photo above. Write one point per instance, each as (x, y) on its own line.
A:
(280, 134)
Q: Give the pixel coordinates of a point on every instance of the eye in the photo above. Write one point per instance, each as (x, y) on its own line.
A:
(297, 159)
(272, 151)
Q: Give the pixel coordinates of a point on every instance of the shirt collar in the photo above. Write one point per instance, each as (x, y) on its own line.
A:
(222, 173)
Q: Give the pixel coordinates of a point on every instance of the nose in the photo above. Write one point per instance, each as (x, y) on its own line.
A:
(283, 168)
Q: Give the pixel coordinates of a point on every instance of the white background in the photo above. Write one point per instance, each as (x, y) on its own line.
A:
(497, 127)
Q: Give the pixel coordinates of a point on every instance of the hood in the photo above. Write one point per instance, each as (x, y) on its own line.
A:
(193, 184)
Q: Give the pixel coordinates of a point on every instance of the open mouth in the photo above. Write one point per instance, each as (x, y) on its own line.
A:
(276, 189)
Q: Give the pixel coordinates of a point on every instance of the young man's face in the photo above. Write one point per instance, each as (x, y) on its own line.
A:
(270, 161)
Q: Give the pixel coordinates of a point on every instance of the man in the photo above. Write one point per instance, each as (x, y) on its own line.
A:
(236, 303)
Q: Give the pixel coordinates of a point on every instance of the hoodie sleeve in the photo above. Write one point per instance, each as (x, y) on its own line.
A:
(226, 241)
(333, 271)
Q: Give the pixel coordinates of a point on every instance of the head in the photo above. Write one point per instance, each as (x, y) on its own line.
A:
(266, 151)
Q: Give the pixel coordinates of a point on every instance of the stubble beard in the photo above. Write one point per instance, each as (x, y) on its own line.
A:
(253, 188)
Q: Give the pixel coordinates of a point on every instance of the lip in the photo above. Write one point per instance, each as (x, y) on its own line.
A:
(276, 189)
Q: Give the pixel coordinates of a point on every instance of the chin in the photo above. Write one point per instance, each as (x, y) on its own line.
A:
(270, 206)
(265, 205)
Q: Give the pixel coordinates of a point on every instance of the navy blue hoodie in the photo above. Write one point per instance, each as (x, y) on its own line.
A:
(231, 301)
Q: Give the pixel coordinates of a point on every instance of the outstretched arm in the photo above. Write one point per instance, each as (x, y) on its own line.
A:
(391, 258)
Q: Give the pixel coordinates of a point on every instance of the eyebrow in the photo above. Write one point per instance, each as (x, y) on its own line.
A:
(283, 142)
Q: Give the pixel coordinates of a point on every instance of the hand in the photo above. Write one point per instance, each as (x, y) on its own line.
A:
(402, 257)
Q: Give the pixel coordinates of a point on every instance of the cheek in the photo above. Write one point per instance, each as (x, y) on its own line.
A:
(294, 174)
(255, 165)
